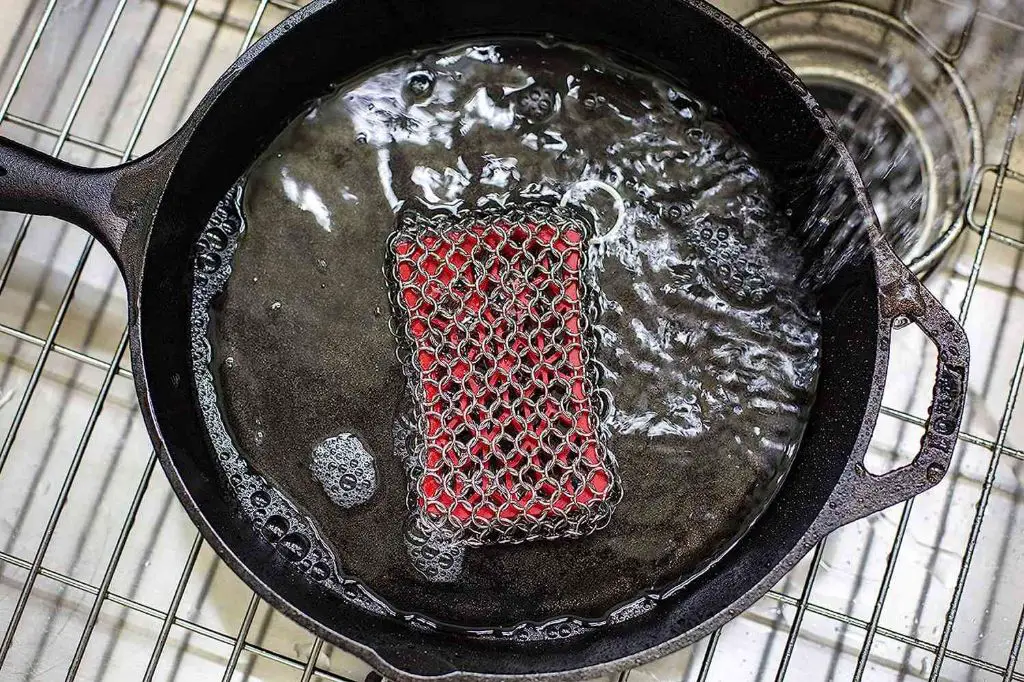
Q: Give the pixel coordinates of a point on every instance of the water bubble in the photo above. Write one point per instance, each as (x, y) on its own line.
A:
(208, 262)
(536, 102)
(420, 84)
(435, 552)
(676, 211)
(319, 571)
(260, 498)
(935, 472)
(229, 362)
(293, 546)
(216, 238)
(275, 528)
(689, 109)
(276, 305)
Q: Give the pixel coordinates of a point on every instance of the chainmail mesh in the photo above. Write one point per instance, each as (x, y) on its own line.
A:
(491, 317)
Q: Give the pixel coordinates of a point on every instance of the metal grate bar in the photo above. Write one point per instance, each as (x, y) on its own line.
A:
(33, 44)
(801, 609)
(37, 370)
(897, 542)
(62, 497)
(58, 145)
(243, 634)
(314, 654)
(1011, 661)
(709, 653)
(139, 607)
(1004, 424)
(54, 132)
(876, 613)
(84, 358)
(153, 612)
(894, 635)
(161, 75)
(952, 52)
(179, 591)
(68, 295)
(108, 575)
(990, 214)
(999, 237)
(19, 415)
(254, 25)
(964, 436)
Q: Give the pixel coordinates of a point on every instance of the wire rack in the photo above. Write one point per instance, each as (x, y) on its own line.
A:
(103, 577)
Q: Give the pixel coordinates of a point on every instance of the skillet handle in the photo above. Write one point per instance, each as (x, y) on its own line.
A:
(903, 299)
(103, 201)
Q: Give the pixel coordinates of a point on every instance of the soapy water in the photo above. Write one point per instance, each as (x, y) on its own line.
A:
(345, 469)
(706, 343)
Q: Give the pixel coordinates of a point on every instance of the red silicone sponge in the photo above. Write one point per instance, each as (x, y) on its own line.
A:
(495, 324)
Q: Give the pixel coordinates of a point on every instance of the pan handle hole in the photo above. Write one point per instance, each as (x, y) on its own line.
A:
(3, 171)
(912, 361)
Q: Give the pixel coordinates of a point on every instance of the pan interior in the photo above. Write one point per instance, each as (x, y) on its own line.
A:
(703, 339)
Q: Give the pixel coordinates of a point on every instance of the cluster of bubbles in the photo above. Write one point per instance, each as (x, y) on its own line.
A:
(345, 469)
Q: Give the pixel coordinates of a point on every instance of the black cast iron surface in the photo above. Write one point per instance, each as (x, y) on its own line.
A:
(149, 213)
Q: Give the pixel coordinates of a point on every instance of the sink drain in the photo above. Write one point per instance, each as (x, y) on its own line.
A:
(889, 157)
(904, 112)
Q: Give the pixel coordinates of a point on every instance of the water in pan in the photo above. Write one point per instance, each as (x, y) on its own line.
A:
(705, 344)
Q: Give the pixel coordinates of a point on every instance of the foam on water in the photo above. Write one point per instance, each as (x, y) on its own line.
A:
(345, 469)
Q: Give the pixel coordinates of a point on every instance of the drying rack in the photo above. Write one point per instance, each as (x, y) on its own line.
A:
(102, 577)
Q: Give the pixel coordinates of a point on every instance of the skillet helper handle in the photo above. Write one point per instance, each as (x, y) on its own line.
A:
(39, 184)
(902, 300)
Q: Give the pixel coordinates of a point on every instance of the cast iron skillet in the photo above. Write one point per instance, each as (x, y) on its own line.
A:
(149, 212)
